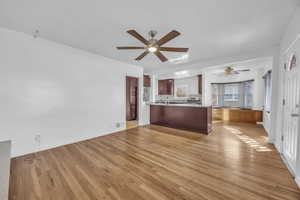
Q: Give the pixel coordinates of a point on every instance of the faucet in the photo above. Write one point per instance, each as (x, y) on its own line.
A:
(167, 100)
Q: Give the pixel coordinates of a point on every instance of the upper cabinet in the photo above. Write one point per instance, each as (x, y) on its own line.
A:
(166, 87)
(147, 81)
(200, 79)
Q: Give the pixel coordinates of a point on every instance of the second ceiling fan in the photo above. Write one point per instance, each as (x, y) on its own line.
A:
(153, 45)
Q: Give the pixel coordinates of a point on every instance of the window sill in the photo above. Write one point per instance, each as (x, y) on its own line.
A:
(232, 107)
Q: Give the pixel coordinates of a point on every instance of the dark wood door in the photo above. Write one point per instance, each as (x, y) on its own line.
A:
(131, 98)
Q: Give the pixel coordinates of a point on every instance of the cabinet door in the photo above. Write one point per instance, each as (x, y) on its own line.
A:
(147, 81)
(166, 87)
(161, 87)
(170, 87)
(200, 84)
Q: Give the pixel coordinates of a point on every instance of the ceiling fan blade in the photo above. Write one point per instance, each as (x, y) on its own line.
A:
(138, 36)
(124, 48)
(243, 70)
(160, 56)
(175, 49)
(168, 37)
(140, 57)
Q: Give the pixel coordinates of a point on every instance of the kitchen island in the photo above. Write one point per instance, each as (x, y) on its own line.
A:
(191, 117)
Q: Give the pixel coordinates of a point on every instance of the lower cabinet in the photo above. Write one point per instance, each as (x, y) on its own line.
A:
(237, 115)
(196, 119)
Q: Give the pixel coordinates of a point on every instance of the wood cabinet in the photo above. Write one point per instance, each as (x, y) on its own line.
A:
(196, 119)
(237, 115)
(147, 81)
(166, 87)
(200, 79)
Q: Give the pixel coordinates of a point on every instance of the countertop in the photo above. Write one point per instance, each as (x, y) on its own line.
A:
(180, 105)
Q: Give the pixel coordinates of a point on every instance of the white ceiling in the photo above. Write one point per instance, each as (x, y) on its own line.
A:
(210, 28)
(258, 64)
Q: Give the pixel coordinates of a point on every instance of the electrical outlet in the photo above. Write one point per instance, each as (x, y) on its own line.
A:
(37, 138)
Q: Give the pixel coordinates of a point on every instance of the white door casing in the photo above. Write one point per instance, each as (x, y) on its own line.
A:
(291, 108)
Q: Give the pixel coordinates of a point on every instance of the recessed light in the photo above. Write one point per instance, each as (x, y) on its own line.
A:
(184, 72)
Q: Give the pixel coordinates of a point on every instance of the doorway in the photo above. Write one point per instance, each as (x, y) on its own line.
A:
(290, 111)
(132, 103)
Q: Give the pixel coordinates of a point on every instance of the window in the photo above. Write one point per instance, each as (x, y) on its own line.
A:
(248, 96)
(231, 92)
(236, 95)
(268, 88)
(215, 95)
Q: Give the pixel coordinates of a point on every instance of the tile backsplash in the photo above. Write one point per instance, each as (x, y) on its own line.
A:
(173, 98)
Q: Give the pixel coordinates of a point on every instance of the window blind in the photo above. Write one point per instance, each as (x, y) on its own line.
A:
(233, 95)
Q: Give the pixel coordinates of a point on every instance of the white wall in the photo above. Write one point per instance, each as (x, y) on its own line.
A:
(61, 93)
(191, 82)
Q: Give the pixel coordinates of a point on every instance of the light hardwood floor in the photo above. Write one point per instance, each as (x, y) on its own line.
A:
(156, 163)
(131, 124)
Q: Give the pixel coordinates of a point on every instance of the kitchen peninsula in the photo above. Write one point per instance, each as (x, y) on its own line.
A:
(191, 117)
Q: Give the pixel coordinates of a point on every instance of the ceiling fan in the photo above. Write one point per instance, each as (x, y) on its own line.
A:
(153, 45)
(230, 70)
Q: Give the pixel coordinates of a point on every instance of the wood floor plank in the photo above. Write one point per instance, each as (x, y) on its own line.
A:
(153, 162)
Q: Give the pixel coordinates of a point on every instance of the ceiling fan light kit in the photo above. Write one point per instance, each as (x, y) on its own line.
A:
(153, 45)
(152, 49)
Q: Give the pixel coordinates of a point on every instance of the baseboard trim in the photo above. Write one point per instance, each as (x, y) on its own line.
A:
(290, 169)
(271, 141)
(277, 146)
(297, 179)
(52, 146)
